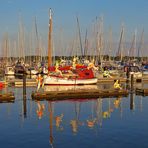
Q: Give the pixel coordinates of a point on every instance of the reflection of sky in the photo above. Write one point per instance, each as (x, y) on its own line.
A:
(132, 14)
(18, 131)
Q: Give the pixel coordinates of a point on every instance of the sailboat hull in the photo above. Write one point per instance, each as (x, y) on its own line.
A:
(51, 80)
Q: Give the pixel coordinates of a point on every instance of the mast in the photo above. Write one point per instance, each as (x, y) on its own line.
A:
(86, 45)
(50, 40)
(6, 48)
(21, 39)
(37, 43)
(141, 45)
(133, 46)
(82, 54)
(110, 44)
(120, 48)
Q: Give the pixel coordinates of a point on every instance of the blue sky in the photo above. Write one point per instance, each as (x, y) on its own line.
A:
(133, 13)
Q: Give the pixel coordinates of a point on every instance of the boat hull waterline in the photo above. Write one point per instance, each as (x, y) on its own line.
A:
(51, 80)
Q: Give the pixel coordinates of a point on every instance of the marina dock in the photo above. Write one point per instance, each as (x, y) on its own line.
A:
(32, 82)
(7, 97)
(142, 91)
(19, 82)
(71, 94)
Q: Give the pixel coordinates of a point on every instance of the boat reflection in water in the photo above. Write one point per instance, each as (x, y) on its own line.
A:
(40, 109)
(78, 114)
(62, 123)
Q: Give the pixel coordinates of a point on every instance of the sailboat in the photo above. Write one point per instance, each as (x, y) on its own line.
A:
(68, 75)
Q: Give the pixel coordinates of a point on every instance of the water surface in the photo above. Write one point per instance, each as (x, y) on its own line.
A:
(84, 123)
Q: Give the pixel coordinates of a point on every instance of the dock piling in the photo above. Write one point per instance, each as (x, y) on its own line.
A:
(24, 84)
(132, 82)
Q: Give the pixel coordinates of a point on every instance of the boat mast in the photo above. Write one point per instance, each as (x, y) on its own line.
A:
(50, 40)
(141, 46)
(120, 47)
(133, 47)
(82, 54)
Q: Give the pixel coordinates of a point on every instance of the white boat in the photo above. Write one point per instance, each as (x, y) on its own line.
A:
(71, 87)
(32, 71)
(56, 80)
(133, 70)
(9, 71)
(76, 76)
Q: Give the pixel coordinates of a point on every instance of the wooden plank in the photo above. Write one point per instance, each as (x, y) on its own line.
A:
(60, 95)
(106, 80)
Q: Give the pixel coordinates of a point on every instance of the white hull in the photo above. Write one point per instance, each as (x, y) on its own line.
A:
(52, 80)
(71, 87)
(9, 71)
(137, 75)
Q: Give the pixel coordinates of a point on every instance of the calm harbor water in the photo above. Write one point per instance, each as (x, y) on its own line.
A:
(116, 122)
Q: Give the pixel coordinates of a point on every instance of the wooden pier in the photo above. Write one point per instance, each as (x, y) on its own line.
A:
(142, 91)
(7, 97)
(107, 80)
(77, 94)
(19, 82)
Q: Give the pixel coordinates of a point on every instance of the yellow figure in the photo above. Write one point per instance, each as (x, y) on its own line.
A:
(40, 109)
(106, 74)
(117, 85)
(106, 114)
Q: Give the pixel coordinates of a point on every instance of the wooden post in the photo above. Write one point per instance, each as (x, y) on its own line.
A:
(127, 75)
(25, 106)
(132, 82)
(24, 84)
(131, 101)
(30, 73)
(24, 95)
